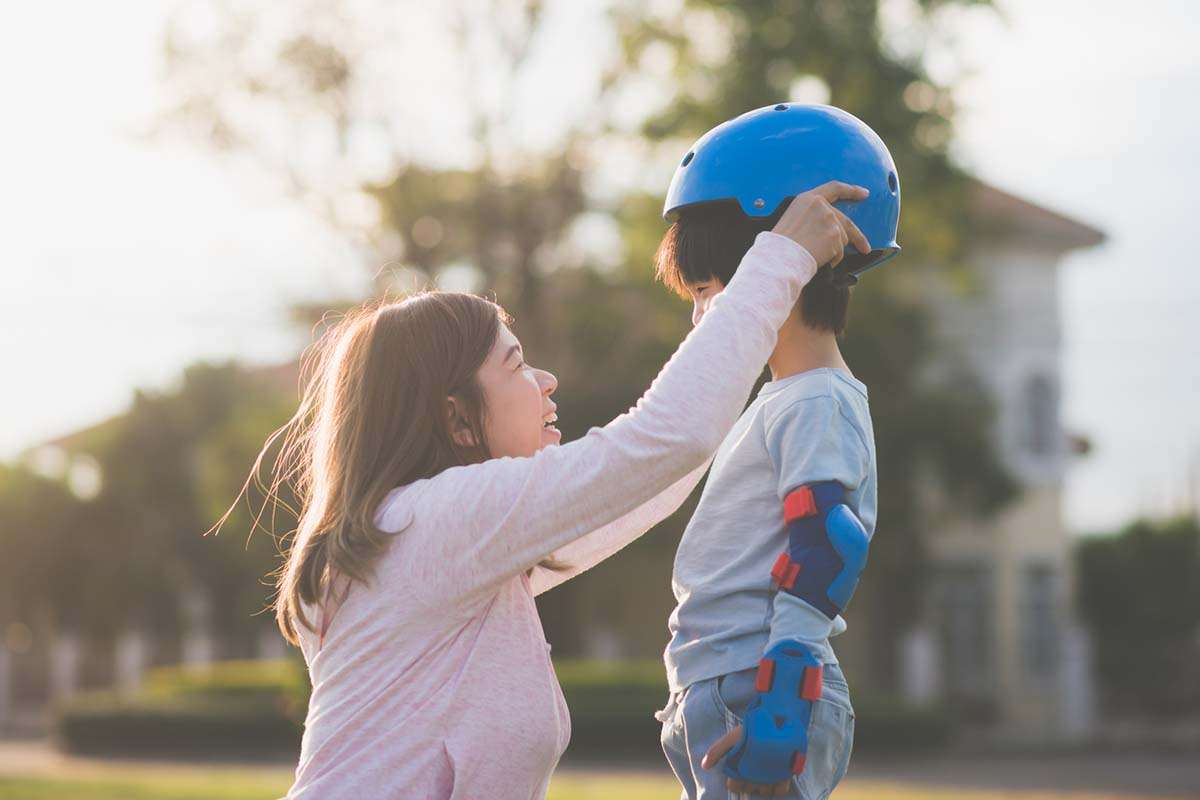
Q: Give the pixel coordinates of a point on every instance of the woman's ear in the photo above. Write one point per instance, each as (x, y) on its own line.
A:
(457, 424)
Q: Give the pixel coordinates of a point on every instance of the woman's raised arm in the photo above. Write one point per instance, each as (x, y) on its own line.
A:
(483, 523)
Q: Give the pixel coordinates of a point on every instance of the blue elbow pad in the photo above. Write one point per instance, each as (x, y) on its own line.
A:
(774, 742)
(827, 548)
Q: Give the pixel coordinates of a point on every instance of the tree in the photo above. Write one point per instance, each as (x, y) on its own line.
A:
(46, 537)
(170, 465)
(1139, 591)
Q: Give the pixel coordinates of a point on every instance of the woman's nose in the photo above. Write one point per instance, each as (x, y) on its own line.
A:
(697, 312)
(548, 382)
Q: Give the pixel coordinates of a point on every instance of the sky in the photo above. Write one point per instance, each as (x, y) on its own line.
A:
(126, 259)
(1083, 108)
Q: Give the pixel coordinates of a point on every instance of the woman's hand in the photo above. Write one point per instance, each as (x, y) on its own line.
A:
(727, 743)
(812, 222)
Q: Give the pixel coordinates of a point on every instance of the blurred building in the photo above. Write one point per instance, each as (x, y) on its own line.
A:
(999, 642)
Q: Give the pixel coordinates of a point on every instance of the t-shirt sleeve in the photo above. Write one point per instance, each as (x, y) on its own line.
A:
(810, 441)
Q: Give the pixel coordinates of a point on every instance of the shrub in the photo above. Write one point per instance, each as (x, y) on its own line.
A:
(241, 708)
(251, 709)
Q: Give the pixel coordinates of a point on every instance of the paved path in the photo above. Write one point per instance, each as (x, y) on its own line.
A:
(1136, 775)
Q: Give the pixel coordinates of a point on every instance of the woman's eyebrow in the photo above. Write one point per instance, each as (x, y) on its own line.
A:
(510, 352)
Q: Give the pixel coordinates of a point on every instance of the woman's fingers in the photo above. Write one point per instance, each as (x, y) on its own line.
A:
(721, 747)
(855, 235)
(811, 221)
(838, 254)
(836, 190)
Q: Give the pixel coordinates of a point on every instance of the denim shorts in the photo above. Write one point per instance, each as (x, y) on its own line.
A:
(705, 711)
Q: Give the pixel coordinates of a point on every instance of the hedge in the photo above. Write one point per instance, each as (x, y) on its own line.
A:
(244, 708)
(251, 709)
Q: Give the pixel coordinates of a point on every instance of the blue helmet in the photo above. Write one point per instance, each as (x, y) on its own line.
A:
(774, 153)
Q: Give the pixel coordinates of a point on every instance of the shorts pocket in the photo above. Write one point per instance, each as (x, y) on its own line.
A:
(733, 693)
(834, 688)
(830, 742)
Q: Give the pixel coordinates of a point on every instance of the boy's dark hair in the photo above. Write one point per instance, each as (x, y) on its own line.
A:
(709, 240)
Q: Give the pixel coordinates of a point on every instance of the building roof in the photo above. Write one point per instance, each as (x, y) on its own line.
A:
(1002, 215)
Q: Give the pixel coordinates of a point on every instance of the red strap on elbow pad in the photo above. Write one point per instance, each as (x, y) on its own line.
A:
(799, 504)
(785, 572)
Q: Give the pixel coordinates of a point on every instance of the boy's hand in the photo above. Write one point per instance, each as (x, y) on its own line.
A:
(727, 743)
(812, 222)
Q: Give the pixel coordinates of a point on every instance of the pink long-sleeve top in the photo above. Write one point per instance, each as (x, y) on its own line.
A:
(434, 680)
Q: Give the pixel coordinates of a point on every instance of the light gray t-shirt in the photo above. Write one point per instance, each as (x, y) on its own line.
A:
(810, 427)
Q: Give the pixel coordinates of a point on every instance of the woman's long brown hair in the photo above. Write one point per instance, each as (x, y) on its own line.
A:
(372, 417)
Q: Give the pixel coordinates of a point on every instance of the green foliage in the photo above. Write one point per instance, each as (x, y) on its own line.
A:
(884, 724)
(45, 542)
(242, 728)
(237, 707)
(1139, 592)
(281, 683)
(255, 707)
(171, 465)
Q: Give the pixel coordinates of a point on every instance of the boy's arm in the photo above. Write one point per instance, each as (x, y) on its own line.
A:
(818, 458)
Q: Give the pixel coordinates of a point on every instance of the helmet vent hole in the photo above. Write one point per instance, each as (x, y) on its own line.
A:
(781, 107)
(687, 159)
(892, 182)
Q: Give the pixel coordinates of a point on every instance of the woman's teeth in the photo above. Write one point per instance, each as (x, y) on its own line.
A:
(549, 421)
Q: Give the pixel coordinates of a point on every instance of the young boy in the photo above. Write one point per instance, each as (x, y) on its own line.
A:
(758, 702)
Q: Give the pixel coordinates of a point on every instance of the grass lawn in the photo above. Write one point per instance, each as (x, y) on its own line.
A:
(190, 783)
(134, 784)
(133, 787)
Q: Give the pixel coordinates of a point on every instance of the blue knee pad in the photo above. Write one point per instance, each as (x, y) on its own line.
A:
(827, 548)
(774, 741)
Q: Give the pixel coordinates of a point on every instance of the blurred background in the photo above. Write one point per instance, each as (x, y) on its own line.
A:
(189, 186)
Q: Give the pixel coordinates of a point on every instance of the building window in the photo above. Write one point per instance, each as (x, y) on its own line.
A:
(1041, 419)
(964, 603)
(1039, 621)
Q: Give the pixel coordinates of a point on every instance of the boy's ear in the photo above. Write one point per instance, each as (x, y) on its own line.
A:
(457, 424)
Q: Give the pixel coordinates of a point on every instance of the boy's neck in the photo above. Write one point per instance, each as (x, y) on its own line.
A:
(801, 348)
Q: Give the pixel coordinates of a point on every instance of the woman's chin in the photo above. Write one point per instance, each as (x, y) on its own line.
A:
(550, 436)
